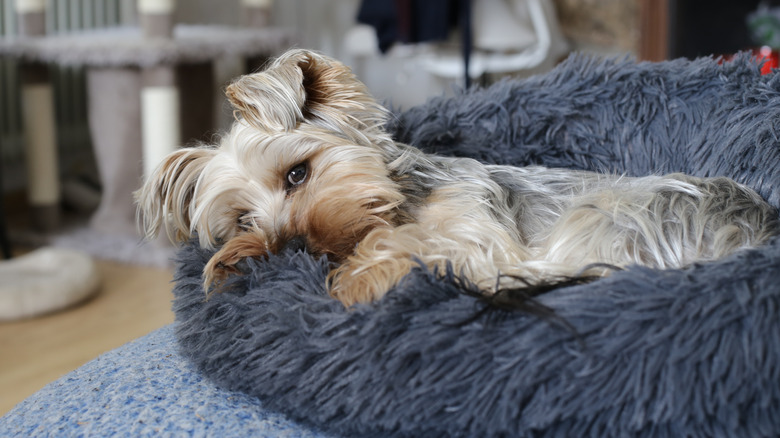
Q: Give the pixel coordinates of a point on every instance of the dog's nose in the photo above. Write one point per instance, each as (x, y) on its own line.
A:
(296, 243)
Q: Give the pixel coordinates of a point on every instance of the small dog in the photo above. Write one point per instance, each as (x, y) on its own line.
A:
(308, 165)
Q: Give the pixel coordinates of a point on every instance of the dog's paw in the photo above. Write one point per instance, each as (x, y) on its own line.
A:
(352, 284)
(225, 262)
(216, 273)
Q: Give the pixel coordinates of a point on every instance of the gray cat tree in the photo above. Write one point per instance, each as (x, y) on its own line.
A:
(149, 89)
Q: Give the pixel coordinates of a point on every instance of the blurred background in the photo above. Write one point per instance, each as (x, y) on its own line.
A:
(129, 80)
(407, 73)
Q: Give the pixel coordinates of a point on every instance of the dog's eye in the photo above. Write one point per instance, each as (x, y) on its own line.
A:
(297, 175)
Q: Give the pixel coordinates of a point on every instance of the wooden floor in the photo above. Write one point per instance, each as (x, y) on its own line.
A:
(132, 302)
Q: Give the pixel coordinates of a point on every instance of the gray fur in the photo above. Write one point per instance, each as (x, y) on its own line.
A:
(669, 353)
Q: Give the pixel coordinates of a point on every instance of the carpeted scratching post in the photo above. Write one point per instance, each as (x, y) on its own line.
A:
(156, 17)
(159, 93)
(43, 188)
(160, 114)
(115, 127)
(256, 13)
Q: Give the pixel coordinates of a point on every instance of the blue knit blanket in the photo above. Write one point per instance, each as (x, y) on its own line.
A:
(690, 352)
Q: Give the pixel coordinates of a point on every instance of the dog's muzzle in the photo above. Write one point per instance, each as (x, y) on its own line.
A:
(295, 244)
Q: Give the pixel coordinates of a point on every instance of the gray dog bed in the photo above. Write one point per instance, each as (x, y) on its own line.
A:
(690, 352)
(660, 353)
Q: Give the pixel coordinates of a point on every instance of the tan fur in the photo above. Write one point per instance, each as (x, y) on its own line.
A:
(308, 162)
(223, 263)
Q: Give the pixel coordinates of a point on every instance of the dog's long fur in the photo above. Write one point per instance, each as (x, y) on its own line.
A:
(307, 164)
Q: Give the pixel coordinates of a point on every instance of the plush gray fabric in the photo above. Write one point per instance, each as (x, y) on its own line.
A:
(691, 352)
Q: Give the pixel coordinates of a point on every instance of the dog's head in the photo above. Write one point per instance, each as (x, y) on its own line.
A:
(305, 164)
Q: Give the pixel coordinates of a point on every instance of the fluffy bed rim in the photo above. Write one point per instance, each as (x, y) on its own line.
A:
(690, 352)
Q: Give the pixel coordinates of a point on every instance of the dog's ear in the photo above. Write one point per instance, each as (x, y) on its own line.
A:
(164, 201)
(305, 86)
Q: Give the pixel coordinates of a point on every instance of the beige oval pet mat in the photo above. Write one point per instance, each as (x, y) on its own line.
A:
(45, 280)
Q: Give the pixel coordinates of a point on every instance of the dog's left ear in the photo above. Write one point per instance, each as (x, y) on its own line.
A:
(303, 86)
(165, 200)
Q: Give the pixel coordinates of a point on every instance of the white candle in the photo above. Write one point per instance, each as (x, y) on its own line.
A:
(156, 6)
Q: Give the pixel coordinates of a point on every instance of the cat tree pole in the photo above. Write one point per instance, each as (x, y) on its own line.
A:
(43, 189)
(159, 94)
(256, 13)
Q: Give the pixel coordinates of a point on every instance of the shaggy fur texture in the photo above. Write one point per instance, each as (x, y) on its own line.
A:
(309, 165)
(679, 352)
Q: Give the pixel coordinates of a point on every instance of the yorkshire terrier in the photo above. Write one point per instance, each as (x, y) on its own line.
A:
(308, 165)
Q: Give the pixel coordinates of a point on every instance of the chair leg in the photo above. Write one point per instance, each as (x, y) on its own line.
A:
(5, 244)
